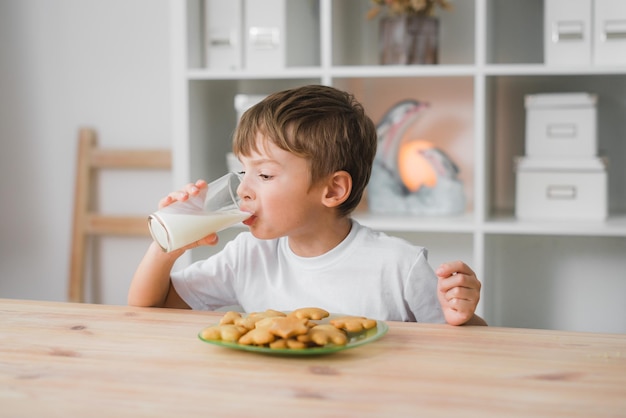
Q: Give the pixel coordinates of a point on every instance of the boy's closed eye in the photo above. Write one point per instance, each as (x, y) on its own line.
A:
(264, 177)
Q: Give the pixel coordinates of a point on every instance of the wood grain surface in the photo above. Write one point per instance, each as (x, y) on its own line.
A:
(69, 359)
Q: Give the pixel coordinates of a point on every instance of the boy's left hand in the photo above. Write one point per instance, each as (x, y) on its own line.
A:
(458, 292)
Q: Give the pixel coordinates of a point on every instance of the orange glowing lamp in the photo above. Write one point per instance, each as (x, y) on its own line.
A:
(414, 169)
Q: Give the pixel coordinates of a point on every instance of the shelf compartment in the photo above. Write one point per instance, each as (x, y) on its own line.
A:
(565, 283)
(355, 38)
(506, 129)
(514, 32)
(448, 122)
(301, 40)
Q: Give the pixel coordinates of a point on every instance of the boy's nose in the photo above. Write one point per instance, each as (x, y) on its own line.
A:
(243, 190)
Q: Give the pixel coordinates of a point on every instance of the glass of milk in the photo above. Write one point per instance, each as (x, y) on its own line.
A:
(215, 208)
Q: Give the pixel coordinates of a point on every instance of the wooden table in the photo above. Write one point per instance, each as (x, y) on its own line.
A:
(80, 360)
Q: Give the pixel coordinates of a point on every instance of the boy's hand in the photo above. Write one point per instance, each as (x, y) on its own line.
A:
(191, 189)
(458, 291)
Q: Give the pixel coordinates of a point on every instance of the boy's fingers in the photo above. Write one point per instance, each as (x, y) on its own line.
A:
(451, 267)
(167, 200)
(448, 282)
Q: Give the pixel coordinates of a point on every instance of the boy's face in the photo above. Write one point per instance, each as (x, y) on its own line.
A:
(276, 188)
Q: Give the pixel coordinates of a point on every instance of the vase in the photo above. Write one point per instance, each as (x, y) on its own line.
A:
(406, 40)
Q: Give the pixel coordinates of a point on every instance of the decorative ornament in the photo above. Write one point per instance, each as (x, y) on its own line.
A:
(413, 166)
(412, 176)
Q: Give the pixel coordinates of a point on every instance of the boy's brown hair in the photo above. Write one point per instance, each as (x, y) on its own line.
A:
(326, 126)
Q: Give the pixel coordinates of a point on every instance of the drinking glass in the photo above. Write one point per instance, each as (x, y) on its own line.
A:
(215, 208)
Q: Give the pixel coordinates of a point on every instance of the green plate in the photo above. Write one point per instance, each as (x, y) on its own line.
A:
(355, 339)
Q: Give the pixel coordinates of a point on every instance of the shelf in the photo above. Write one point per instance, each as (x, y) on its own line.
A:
(287, 73)
(392, 71)
(376, 71)
(507, 224)
(379, 71)
(370, 71)
(541, 69)
(445, 224)
(489, 62)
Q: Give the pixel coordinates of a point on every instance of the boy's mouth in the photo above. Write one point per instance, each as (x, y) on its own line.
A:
(250, 220)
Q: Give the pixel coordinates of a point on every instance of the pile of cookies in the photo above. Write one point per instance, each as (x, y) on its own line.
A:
(294, 330)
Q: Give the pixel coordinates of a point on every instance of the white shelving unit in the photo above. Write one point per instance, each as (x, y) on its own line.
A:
(564, 275)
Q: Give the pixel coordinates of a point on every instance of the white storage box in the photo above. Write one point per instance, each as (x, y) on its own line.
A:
(609, 28)
(561, 189)
(567, 32)
(561, 125)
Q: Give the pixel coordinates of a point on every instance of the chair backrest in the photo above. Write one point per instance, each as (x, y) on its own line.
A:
(88, 222)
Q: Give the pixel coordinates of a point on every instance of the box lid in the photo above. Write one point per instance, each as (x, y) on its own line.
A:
(560, 100)
(560, 164)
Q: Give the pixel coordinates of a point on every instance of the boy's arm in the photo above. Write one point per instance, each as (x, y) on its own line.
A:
(151, 284)
(459, 292)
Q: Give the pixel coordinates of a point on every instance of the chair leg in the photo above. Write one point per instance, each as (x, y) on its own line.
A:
(76, 288)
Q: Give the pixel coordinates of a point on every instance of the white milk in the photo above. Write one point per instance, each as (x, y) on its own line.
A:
(173, 231)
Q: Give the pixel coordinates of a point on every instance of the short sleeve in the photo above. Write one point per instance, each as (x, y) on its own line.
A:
(421, 291)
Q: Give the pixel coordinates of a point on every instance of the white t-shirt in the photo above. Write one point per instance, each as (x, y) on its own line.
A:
(368, 274)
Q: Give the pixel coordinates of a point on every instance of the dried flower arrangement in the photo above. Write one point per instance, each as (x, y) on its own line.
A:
(407, 7)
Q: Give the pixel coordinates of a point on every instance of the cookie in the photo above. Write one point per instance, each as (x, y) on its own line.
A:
(288, 343)
(257, 337)
(250, 321)
(288, 326)
(353, 323)
(268, 313)
(226, 332)
(264, 323)
(324, 334)
(309, 313)
(230, 317)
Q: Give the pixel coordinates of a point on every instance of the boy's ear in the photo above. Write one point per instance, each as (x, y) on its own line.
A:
(337, 189)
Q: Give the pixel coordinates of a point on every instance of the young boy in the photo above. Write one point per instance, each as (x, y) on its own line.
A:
(307, 155)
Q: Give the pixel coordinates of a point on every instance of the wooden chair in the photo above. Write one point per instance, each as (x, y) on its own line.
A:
(88, 222)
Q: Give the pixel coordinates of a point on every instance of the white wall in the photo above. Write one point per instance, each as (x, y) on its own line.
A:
(64, 64)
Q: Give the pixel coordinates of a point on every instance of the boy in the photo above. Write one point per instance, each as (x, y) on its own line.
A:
(307, 155)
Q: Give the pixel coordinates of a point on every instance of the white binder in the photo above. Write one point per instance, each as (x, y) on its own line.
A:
(265, 34)
(609, 42)
(223, 33)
